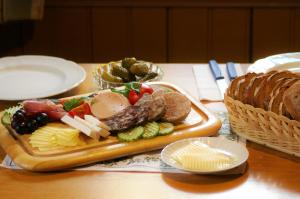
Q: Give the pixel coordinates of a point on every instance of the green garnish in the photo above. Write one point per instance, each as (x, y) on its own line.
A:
(124, 92)
(73, 103)
(128, 86)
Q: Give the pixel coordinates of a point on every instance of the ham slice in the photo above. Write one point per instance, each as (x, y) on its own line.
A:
(54, 111)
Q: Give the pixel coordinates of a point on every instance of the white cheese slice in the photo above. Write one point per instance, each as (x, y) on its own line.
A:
(96, 122)
(90, 125)
(77, 125)
(96, 129)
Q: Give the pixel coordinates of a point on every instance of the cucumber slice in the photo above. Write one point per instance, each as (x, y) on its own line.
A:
(151, 130)
(165, 128)
(8, 113)
(132, 134)
(6, 119)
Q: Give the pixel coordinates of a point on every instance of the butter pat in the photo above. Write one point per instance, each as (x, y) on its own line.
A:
(199, 156)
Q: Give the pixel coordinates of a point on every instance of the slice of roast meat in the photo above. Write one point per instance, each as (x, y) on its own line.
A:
(127, 118)
(156, 106)
(142, 115)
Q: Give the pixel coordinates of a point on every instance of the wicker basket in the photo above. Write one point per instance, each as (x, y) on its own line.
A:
(264, 127)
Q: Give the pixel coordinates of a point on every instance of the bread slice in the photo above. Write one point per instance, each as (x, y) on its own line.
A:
(291, 100)
(277, 95)
(272, 82)
(233, 86)
(259, 89)
(253, 85)
(275, 88)
(249, 90)
(242, 87)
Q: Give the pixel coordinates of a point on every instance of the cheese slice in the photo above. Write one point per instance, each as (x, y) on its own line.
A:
(93, 120)
(77, 125)
(199, 156)
(96, 130)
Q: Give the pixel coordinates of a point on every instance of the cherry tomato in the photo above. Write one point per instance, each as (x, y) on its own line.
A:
(80, 111)
(145, 89)
(133, 97)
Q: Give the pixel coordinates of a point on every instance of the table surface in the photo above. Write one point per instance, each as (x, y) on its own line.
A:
(270, 174)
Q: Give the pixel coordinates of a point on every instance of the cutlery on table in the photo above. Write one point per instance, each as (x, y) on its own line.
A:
(232, 74)
(219, 78)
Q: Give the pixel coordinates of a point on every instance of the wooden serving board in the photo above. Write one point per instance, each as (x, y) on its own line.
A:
(200, 122)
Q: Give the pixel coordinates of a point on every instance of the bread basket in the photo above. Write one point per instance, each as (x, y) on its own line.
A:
(264, 127)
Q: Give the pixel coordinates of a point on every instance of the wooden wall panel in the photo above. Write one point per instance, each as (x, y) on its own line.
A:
(111, 34)
(229, 34)
(272, 32)
(64, 32)
(297, 31)
(187, 35)
(149, 36)
(161, 31)
(11, 39)
(39, 36)
(73, 37)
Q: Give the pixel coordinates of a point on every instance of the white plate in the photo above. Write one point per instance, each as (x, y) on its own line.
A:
(237, 150)
(287, 61)
(30, 76)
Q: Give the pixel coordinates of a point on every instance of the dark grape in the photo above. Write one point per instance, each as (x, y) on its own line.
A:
(32, 125)
(21, 128)
(14, 124)
(42, 119)
(23, 123)
(19, 116)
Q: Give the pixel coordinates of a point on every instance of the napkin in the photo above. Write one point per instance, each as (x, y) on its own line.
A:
(206, 85)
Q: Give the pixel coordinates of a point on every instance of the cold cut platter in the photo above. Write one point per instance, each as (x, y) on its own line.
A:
(48, 135)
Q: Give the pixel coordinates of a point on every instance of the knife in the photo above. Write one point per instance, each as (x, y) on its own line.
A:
(219, 78)
(231, 70)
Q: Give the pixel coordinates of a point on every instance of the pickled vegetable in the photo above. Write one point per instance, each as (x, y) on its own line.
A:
(139, 69)
(165, 128)
(119, 71)
(151, 130)
(132, 134)
(111, 78)
(149, 76)
(128, 61)
(131, 77)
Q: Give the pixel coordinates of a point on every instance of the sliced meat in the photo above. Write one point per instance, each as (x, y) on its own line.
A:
(54, 111)
(146, 97)
(158, 93)
(107, 104)
(127, 118)
(157, 107)
(142, 115)
(178, 107)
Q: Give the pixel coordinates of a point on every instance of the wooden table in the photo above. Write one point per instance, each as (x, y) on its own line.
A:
(270, 174)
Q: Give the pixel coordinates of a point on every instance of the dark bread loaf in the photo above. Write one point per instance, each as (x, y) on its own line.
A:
(276, 91)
